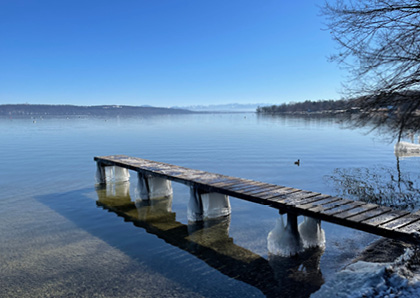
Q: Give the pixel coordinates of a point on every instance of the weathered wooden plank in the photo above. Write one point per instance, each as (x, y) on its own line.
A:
(222, 180)
(386, 217)
(154, 168)
(168, 170)
(282, 197)
(311, 199)
(411, 228)
(261, 189)
(265, 190)
(248, 190)
(356, 211)
(244, 185)
(296, 197)
(401, 222)
(239, 183)
(278, 192)
(189, 176)
(208, 178)
(211, 178)
(229, 182)
(325, 204)
(339, 209)
(369, 214)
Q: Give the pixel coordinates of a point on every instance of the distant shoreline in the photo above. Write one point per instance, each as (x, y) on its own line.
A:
(72, 110)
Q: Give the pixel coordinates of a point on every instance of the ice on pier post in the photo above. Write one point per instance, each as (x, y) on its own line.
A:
(215, 205)
(110, 174)
(311, 233)
(100, 174)
(284, 240)
(120, 174)
(150, 187)
(195, 206)
(203, 205)
(405, 149)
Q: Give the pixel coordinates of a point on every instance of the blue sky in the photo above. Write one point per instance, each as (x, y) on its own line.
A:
(164, 52)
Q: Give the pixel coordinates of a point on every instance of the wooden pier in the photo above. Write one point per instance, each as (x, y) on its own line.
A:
(371, 218)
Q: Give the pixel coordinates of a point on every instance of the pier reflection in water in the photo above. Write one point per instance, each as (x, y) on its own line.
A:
(209, 240)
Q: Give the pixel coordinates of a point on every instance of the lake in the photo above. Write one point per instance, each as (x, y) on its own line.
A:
(58, 238)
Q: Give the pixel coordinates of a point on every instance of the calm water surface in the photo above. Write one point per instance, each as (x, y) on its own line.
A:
(59, 240)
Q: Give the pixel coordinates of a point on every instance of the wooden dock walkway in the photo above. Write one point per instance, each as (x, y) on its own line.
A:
(371, 218)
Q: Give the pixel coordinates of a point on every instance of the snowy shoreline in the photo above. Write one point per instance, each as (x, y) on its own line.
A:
(387, 268)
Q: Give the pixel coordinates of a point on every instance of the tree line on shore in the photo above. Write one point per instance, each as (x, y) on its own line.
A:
(308, 106)
(67, 110)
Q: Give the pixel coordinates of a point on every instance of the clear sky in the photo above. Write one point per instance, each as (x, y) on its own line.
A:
(164, 52)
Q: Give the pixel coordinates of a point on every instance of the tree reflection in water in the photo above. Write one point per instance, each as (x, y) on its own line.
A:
(379, 185)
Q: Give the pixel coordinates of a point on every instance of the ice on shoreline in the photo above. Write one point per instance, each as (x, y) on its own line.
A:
(406, 149)
(366, 279)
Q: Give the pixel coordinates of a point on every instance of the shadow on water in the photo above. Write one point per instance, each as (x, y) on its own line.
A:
(208, 241)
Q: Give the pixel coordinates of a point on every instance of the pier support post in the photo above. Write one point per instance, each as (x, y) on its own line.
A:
(150, 187)
(215, 205)
(291, 239)
(285, 240)
(205, 205)
(100, 173)
(105, 174)
(195, 205)
(120, 174)
(311, 232)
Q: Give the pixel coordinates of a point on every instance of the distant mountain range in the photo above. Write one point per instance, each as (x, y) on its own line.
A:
(67, 110)
(231, 107)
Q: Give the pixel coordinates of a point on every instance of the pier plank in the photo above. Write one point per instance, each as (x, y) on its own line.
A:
(248, 185)
(309, 199)
(278, 192)
(401, 222)
(386, 217)
(268, 189)
(369, 214)
(356, 211)
(282, 197)
(371, 218)
(228, 182)
(288, 198)
(411, 228)
(253, 188)
(325, 204)
(261, 189)
(342, 208)
(296, 197)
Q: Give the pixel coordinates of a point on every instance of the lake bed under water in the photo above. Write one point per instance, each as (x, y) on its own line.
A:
(59, 239)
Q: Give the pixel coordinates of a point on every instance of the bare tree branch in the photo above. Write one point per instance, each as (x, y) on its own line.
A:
(379, 43)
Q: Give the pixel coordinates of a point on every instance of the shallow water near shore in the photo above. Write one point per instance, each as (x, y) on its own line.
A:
(62, 235)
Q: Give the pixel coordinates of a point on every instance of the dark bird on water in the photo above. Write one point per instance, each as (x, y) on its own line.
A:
(297, 162)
